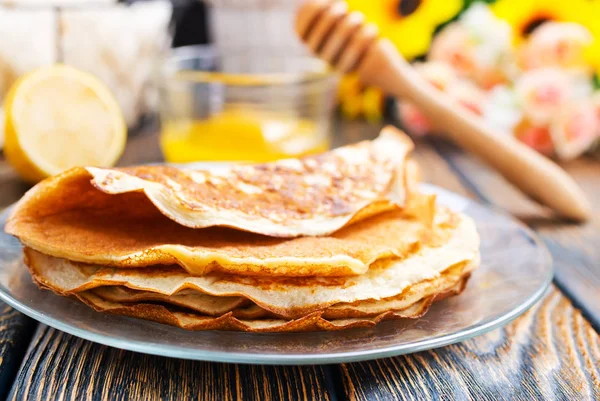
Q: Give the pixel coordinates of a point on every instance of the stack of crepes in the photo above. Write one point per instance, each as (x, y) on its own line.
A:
(338, 240)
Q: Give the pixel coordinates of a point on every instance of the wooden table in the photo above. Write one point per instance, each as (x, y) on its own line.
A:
(552, 352)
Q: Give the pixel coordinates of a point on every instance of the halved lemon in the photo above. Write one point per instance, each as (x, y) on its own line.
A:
(58, 117)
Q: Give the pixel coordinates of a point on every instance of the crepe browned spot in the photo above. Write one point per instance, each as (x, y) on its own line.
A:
(454, 240)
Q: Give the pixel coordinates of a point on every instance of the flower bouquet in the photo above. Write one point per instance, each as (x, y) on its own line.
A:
(527, 67)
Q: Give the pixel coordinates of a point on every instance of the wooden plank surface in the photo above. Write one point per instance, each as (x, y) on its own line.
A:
(575, 248)
(551, 350)
(16, 331)
(549, 353)
(61, 366)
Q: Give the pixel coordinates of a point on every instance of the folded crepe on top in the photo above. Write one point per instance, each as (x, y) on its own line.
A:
(314, 195)
(326, 242)
(98, 216)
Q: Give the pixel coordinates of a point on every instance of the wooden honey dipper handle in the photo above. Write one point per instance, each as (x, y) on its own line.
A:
(532, 173)
(343, 40)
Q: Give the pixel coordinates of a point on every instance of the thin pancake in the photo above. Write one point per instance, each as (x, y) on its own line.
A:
(452, 279)
(127, 230)
(192, 300)
(190, 320)
(193, 321)
(454, 241)
(312, 196)
(135, 241)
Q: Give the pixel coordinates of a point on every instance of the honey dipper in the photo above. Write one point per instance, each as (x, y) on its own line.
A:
(344, 40)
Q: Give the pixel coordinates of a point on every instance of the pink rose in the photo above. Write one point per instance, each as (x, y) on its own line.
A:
(536, 137)
(574, 129)
(542, 93)
(454, 46)
(556, 44)
(459, 48)
(439, 74)
(468, 95)
(413, 120)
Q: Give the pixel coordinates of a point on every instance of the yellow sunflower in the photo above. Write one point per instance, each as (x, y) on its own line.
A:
(409, 24)
(357, 101)
(593, 52)
(349, 96)
(526, 15)
(373, 101)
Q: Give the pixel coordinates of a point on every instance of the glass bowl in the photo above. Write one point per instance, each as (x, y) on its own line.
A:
(246, 105)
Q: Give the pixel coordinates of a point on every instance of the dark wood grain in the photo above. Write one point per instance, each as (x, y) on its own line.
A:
(16, 330)
(549, 353)
(575, 248)
(64, 367)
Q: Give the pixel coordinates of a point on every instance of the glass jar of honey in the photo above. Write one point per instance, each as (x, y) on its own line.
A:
(243, 106)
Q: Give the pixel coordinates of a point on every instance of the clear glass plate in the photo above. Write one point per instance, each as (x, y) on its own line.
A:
(515, 271)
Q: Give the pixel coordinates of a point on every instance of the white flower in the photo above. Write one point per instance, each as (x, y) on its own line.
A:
(478, 46)
(581, 85)
(491, 35)
(501, 110)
